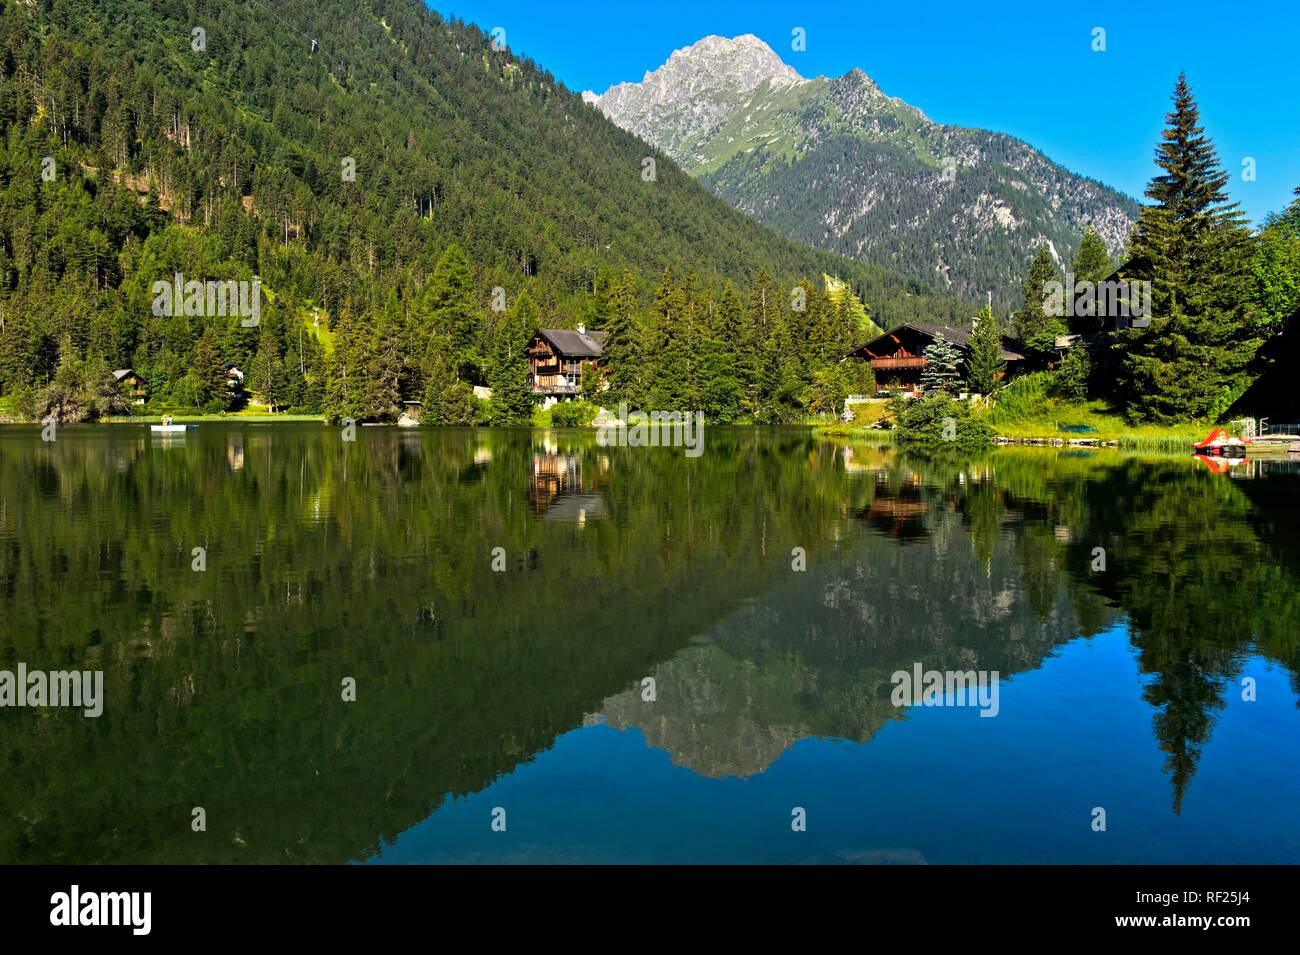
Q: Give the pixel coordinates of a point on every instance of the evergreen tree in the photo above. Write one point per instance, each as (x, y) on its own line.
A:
(623, 352)
(1033, 324)
(1286, 222)
(451, 306)
(985, 363)
(1194, 248)
(512, 391)
(781, 380)
(382, 386)
(208, 368)
(941, 374)
(1071, 380)
(263, 373)
(1092, 263)
(674, 359)
(752, 340)
(720, 389)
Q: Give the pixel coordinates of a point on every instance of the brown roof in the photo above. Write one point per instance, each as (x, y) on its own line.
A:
(958, 336)
(573, 344)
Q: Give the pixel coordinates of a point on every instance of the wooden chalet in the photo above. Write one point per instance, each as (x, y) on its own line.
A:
(131, 385)
(898, 356)
(558, 359)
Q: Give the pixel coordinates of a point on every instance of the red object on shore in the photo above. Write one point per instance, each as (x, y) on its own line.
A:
(1219, 442)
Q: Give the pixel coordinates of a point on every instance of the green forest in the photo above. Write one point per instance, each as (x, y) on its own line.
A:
(415, 201)
(390, 178)
(1223, 298)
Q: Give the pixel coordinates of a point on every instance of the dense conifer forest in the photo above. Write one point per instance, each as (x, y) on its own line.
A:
(408, 194)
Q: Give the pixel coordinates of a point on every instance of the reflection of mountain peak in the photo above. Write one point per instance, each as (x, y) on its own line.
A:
(813, 657)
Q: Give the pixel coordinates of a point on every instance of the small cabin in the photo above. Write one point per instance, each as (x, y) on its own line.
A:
(559, 358)
(410, 415)
(131, 385)
(234, 377)
(898, 357)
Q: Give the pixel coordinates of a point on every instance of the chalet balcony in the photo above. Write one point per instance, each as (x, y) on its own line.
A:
(885, 364)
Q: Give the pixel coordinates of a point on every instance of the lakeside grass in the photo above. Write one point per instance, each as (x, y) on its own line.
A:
(1026, 412)
(179, 418)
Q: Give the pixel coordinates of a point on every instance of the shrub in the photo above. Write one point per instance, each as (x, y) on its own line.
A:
(1070, 383)
(1024, 398)
(572, 414)
(940, 423)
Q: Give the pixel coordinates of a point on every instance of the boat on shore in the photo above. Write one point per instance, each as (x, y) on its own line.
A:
(1218, 443)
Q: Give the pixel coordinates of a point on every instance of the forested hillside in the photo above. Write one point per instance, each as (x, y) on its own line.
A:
(338, 150)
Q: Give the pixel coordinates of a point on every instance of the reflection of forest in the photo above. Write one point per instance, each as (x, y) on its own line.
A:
(372, 560)
(1200, 568)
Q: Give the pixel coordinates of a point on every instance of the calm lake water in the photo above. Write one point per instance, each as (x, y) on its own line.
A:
(1160, 687)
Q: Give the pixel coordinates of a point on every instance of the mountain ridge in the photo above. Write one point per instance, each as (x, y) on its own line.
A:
(962, 207)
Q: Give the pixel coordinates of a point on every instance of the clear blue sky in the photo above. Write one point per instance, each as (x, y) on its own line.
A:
(1026, 69)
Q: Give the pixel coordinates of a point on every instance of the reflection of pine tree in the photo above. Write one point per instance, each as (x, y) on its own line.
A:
(1190, 690)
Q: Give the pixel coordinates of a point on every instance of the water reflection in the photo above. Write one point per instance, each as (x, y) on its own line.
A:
(372, 560)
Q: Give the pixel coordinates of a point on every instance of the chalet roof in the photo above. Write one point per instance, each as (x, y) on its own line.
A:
(572, 344)
(958, 336)
(123, 373)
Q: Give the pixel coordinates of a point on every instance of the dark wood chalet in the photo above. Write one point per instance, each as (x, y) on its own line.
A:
(131, 385)
(559, 358)
(897, 357)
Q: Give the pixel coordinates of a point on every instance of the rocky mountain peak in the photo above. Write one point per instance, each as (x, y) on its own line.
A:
(695, 89)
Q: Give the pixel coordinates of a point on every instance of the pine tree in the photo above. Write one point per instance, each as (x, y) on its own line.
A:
(1287, 222)
(941, 374)
(450, 302)
(985, 363)
(781, 380)
(1092, 263)
(752, 340)
(1193, 246)
(512, 391)
(720, 390)
(623, 353)
(208, 368)
(263, 370)
(382, 399)
(673, 358)
(1032, 323)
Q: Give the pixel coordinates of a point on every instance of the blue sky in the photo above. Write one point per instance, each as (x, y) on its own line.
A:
(1027, 69)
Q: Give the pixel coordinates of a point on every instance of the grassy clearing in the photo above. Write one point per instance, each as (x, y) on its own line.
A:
(1027, 410)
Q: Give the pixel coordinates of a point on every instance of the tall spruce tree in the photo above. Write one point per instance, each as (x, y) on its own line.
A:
(985, 363)
(720, 390)
(781, 379)
(1092, 262)
(207, 366)
(451, 306)
(674, 358)
(1033, 324)
(1192, 244)
(512, 391)
(623, 353)
(761, 308)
